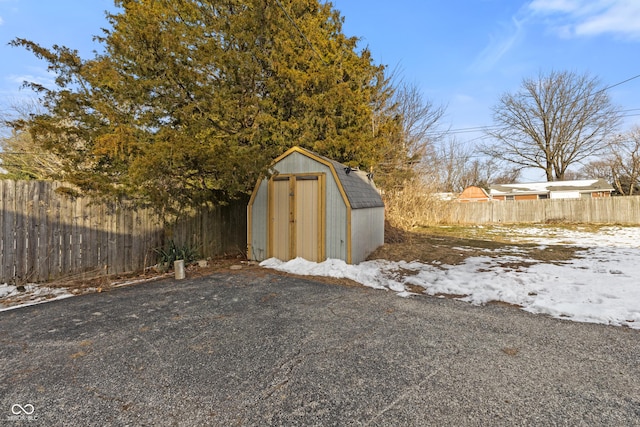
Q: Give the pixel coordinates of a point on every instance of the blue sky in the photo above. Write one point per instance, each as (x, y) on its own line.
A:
(461, 53)
(465, 54)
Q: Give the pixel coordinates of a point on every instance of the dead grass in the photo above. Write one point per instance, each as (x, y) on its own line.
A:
(414, 231)
(449, 246)
(414, 205)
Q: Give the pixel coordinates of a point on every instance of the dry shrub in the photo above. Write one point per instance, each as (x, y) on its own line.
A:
(415, 205)
(394, 234)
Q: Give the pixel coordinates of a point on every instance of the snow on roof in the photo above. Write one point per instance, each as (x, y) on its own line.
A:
(583, 185)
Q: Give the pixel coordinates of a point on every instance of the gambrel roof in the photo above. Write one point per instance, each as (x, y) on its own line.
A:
(357, 185)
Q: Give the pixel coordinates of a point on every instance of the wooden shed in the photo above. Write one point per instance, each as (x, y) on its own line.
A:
(315, 208)
(473, 194)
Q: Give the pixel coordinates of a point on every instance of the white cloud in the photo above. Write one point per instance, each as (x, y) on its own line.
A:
(591, 17)
(35, 74)
(1, 20)
(555, 5)
(500, 44)
(20, 79)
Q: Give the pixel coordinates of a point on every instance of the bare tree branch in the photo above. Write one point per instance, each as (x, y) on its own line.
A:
(553, 122)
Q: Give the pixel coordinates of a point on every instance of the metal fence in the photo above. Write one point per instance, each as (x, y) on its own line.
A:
(45, 234)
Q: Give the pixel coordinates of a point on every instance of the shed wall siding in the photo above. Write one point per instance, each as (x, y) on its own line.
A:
(259, 216)
(367, 232)
(336, 210)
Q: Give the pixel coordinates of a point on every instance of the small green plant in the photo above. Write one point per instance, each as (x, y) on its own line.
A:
(173, 252)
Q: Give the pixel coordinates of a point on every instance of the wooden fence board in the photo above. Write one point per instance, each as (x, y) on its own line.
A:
(8, 231)
(42, 250)
(85, 227)
(102, 236)
(3, 240)
(30, 233)
(45, 235)
(111, 242)
(21, 232)
(606, 210)
(128, 232)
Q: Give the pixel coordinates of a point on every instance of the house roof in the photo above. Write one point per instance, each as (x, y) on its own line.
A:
(355, 184)
(473, 192)
(582, 186)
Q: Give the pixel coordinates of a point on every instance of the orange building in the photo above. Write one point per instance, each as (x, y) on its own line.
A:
(473, 194)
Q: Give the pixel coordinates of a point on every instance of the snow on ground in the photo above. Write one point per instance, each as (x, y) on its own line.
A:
(30, 295)
(601, 285)
(11, 297)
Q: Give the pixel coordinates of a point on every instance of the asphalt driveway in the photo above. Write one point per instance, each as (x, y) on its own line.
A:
(255, 348)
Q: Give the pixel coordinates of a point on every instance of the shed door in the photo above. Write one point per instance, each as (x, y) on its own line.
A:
(307, 218)
(281, 216)
(296, 217)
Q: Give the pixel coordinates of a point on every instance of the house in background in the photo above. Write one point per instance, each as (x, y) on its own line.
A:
(552, 190)
(474, 194)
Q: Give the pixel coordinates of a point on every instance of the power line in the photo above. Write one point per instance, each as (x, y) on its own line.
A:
(483, 128)
(619, 83)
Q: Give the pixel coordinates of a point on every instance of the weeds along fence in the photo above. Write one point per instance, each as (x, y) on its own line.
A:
(605, 210)
(47, 235)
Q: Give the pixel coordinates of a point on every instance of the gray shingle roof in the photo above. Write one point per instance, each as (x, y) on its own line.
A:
(359, 189)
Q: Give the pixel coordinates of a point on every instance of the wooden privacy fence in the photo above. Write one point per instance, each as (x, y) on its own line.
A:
(605, 210)
(45, 235)
(213, 231)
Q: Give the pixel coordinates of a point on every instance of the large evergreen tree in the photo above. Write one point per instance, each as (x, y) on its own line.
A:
(192, 99)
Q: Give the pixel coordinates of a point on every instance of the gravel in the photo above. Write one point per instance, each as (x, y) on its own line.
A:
(253, 348)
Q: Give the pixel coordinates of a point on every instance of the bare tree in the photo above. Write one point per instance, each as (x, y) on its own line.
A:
(20, 156)
(419, 118)
(626, 154)
(600, 168)
(449, 163)
(554, 121)
(415, 121)
(486, 172)
(621, 165)
(456, 166)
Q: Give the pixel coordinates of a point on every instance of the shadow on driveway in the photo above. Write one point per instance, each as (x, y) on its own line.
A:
(255, 348)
